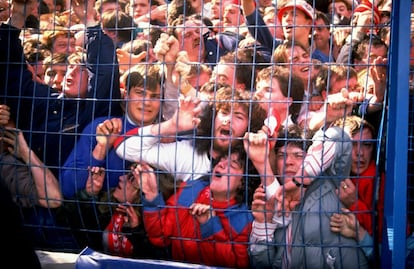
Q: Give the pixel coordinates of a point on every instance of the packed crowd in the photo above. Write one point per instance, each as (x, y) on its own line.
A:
(232, 133)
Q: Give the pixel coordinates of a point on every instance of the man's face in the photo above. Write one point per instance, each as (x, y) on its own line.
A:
(224, 73)
(139, 8)
(109, 7)
(64, 45)
(230, 126)
(373, 52)
(215, 9)
(295, 24)
(54, 76)
(143, 106)
(362, 149)
(289, 160)
(75, 83)
(4, 10)
(321, 34)
(190, 39)
(39, 71)
(351, 84)
(339, 9)
(127, 190)
(271, 96)
(232, 16)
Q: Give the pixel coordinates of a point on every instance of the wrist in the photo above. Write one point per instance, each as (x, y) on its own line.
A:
(185, 87)
(99, 152)
(299, 183)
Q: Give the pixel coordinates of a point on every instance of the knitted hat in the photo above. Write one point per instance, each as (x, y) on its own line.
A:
(299, 4)
(367, 5)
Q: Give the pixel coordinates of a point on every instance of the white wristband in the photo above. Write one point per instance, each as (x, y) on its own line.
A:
(272, 188)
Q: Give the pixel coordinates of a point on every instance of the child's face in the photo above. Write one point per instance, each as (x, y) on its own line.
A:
(226, 178)
(143, 106)
(271, 96)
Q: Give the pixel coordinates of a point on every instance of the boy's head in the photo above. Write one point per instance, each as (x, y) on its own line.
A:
(280, 90)
(227, 118)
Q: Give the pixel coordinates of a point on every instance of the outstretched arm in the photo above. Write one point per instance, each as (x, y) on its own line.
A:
(47, 186)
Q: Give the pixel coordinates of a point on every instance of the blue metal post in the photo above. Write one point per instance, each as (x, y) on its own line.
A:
(395, 211)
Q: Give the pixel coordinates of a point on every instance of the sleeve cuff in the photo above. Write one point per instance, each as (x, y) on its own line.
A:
(272, 188)
(263, 231)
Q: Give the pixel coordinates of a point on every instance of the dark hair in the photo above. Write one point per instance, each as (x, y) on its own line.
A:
(280, 53)
(294, 135)
(120, 22)
(322, 16)
(362, 47)
(250, 179)
(147, 76)
(179, 8)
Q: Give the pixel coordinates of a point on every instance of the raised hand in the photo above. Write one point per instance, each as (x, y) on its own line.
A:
(339, 104)
(183, 65)
(262, 210)
(15, 143)
(108, 131)
(130, 215)
(127, 60)
(347, 192)
(187, 115)
(95, 180)
(346, 224)
(201, 212)
(4, 114)
(146, 180)
(378, 73)
(166, 49)
(288, 197)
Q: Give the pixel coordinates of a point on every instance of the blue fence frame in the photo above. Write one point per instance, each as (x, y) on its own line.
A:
(394, 249)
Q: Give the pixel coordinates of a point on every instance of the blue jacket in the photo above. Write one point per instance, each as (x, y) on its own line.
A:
(49, 121)
(215, 47)
(74, 172)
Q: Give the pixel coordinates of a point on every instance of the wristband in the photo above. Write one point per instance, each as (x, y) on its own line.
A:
(299, 184)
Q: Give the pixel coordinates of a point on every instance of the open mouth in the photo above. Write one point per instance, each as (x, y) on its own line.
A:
(218, 175)
(225, 132)
(68, 82)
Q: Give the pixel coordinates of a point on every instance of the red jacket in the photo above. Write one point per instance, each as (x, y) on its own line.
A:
(221, 241)
(366, 183)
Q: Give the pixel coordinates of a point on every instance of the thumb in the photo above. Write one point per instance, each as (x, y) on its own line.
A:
(345, 93)
(345, 210)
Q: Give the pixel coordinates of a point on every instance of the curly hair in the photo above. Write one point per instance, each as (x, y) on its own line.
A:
(224, 99)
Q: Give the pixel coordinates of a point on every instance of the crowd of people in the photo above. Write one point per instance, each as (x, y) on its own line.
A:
(234, 133)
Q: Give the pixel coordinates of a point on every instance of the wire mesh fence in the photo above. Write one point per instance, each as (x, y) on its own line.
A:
(219, 133)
